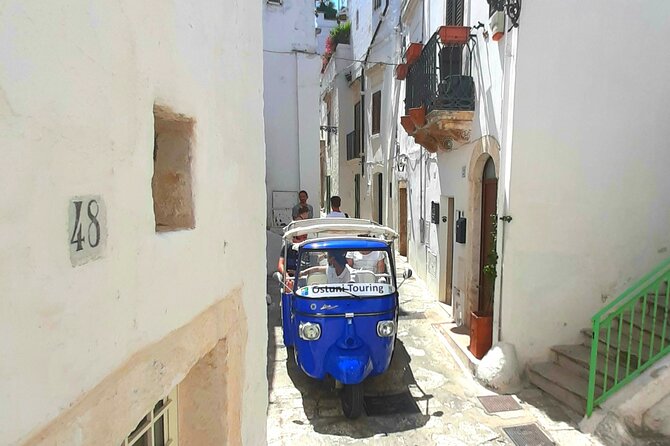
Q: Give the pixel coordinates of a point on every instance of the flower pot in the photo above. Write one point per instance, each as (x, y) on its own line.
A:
(413, 52)
(418, 115)
(401, 71)
(454, 35)
(408, 124)
(481, 333)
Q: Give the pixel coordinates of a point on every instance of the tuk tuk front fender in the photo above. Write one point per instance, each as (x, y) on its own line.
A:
(349, 366)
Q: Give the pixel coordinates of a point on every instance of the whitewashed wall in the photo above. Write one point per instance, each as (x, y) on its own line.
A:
(291, 95)
(78, 88)
(589, 185)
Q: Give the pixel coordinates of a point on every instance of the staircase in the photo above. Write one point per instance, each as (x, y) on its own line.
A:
(633, 332)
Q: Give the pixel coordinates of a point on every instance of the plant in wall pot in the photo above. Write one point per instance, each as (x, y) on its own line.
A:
(481, 322)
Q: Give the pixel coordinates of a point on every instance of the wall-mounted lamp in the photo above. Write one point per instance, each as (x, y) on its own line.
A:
(401, 162)
(511, 7)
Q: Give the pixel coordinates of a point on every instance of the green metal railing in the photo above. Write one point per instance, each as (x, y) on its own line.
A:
(629, 335)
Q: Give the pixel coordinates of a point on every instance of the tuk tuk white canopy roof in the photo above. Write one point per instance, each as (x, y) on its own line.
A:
(324, 227)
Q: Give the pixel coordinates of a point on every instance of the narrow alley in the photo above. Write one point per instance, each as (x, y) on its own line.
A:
(425, 398)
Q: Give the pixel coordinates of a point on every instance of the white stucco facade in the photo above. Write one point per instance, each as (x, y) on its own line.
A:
(566, 160)
(291, 95)
(346, 82)
(79, 86)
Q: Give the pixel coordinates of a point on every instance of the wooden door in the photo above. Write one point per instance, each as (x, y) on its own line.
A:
(488, 226)
(402, 221)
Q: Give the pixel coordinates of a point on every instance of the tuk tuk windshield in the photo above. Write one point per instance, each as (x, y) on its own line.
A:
(343, 273)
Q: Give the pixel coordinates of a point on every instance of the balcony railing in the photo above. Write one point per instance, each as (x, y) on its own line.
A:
(440, 79)
(353, 145)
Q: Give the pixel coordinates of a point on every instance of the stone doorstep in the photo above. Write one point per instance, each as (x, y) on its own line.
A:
(458, 345)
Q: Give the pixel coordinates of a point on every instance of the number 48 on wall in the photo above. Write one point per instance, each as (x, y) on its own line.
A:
(87, 228)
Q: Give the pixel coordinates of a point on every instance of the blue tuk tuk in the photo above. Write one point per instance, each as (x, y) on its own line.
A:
(339, 306)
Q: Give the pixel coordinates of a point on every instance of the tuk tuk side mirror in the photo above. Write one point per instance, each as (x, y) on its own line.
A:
(406, 275)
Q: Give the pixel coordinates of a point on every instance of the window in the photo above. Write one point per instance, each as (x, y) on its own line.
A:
(357, 19)
(376, 112)
(377, 4)
(171, 183)
(454, 12)
(159, 426)
(275, 2)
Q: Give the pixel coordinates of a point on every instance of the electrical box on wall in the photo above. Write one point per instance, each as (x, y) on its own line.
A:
(461, 223)
(434, 213)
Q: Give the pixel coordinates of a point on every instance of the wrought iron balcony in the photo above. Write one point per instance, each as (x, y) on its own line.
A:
(440, 93)
(353, 145)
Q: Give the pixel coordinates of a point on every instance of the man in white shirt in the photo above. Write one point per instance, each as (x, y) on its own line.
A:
(335, 203)
(367, 260)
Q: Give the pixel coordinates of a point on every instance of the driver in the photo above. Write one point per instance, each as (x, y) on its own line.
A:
(337, 270)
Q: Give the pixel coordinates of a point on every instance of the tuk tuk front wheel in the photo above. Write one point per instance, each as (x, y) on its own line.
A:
(352, 400)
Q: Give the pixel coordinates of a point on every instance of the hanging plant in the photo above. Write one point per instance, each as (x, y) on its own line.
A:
(490, 268)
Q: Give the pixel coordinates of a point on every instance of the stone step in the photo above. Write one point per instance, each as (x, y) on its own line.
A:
(576, 359)
(630, 340)
(561, 383)
(602, 344)
(652, 322)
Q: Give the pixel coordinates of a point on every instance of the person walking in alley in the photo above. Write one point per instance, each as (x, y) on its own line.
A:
(302, 196)
(335, 203)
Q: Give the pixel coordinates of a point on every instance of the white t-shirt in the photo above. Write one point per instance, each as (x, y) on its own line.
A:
(336, 214)
(332, 276)
(366, 261)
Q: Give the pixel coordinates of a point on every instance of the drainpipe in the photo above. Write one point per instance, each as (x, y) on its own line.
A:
(363, 114)
(509, 76)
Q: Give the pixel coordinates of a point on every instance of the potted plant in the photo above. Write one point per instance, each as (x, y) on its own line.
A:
(413, 52)
(481, 321)
(340, 34)
(454, 35)
(418, 115)
(408, 124)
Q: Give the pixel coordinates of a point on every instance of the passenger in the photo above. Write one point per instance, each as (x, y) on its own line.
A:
(287, 266)
(367, 260)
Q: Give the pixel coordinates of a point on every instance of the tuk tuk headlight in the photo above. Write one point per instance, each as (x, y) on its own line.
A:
(385, 329)
(309, 331)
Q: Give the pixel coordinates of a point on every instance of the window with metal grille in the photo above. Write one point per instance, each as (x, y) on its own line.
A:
(159, 426)
(376, 112)
(454, 12)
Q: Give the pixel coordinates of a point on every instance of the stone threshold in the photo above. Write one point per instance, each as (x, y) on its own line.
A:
(457, 340)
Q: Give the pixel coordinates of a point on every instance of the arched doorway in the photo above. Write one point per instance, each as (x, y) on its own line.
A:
(488, 257)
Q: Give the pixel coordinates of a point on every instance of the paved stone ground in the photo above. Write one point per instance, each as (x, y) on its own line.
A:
(304, 411)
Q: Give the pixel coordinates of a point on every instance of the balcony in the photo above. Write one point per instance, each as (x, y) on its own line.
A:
(353, 145)
(440, 91)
